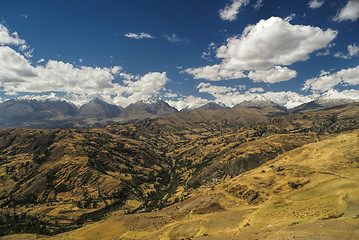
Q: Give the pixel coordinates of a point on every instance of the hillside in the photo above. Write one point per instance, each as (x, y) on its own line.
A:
(308, 193)
(311, 192)
(60, 179)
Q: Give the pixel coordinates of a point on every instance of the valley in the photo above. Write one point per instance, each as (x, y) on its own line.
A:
(57, 180)
(306, 193)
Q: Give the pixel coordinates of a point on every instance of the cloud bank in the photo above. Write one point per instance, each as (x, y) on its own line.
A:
(263, 50)
(79, 84)
(262, 53)
(230, 96)
(327, 81)
(188, 102)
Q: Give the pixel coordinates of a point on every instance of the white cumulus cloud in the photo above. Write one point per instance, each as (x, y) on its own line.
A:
(145, 87)
(252, 90)
(170, 95)
(327, 81)
(274, 75)
(213, 90)
(349, 12)
(80, 84)
(7, 38)
(231, 10)
(15, 70)
(10, 39)
(353, 51)
(189, 102)
(315, 4)
(263, 49)
(52, 97)
(275, 42)
(17, 75)
(216, 72)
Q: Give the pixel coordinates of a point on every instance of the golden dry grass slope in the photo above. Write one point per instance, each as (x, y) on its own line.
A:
(311, 192)
(63, 178)
(58, 176)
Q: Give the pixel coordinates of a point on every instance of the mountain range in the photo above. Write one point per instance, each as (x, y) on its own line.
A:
(61, 114)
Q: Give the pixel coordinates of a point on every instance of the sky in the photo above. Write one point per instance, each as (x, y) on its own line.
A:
(186, 52)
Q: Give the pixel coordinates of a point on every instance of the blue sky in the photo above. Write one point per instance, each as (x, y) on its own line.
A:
(186, 52)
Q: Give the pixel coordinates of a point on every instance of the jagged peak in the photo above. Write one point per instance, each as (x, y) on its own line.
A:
(97, 100)
(260, 101)
(333, 94)
(213, 105)
(260, 98)
(334, 98)
(151, 100)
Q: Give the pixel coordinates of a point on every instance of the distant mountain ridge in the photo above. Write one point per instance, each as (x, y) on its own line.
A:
(259, 103)
(32, 113)
(150, 108)
(97, 108)
(62, 114)
(321, 103)
(213, 106)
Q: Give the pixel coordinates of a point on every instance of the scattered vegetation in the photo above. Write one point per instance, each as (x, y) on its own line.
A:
(70, 177)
